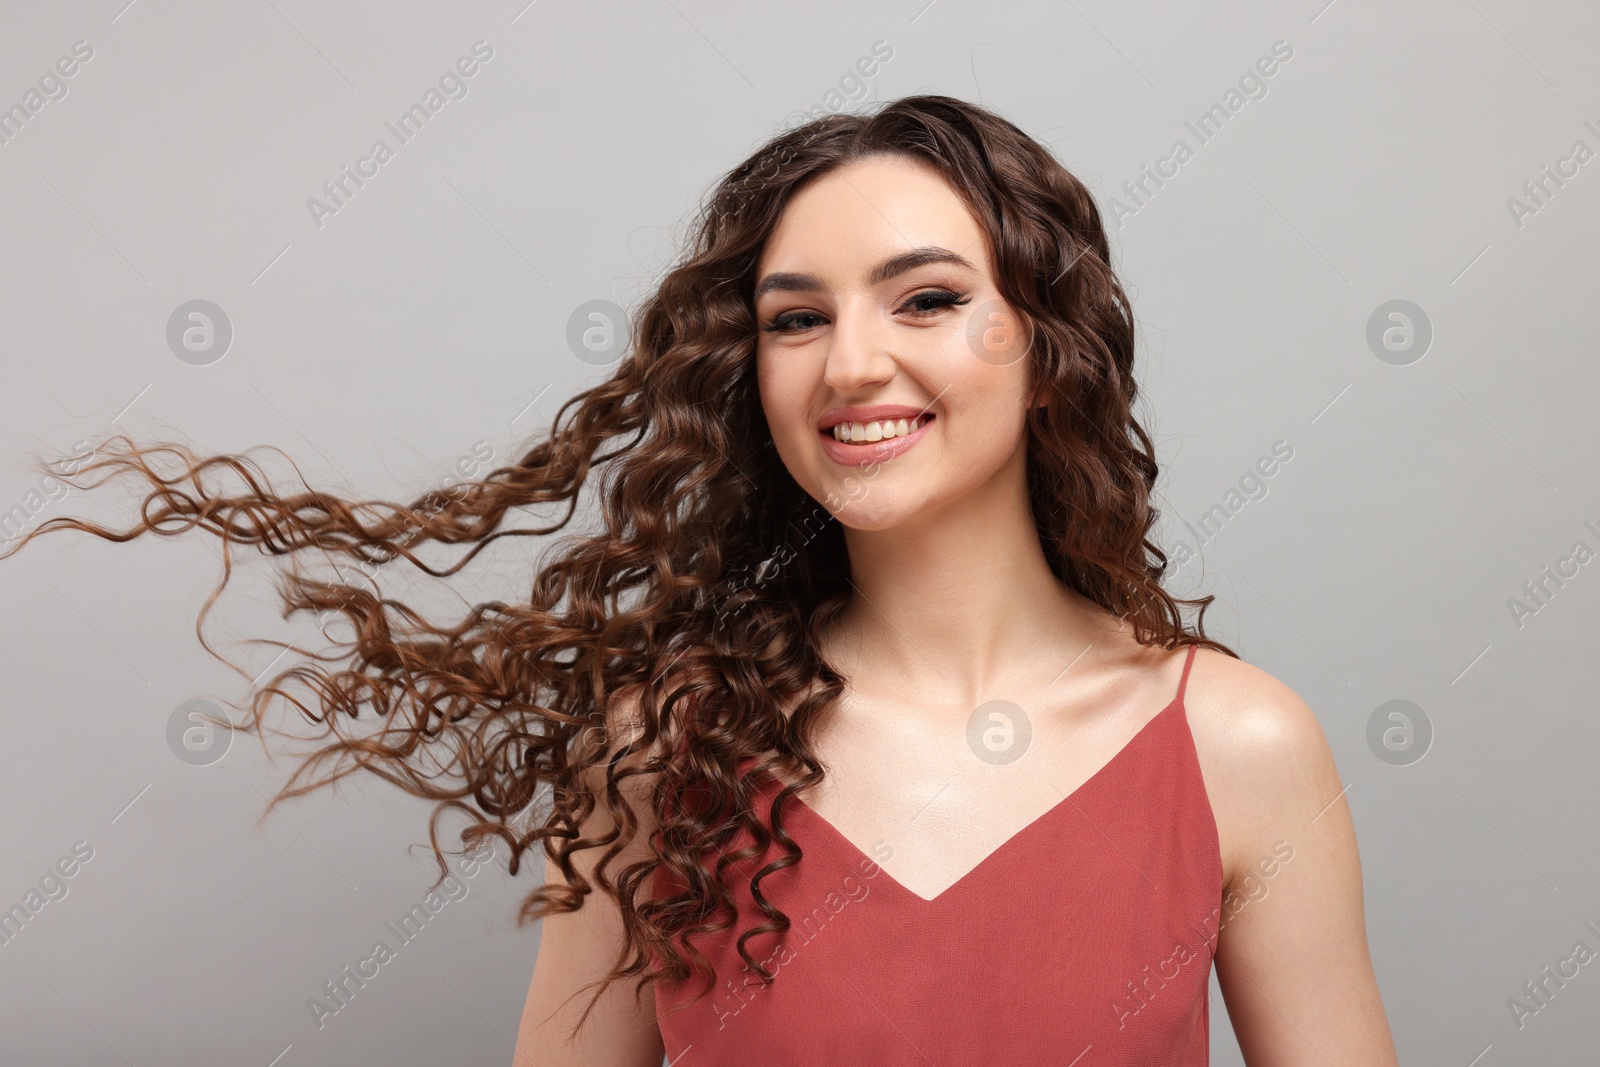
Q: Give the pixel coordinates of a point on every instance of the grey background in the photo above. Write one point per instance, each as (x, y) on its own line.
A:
(430, 313)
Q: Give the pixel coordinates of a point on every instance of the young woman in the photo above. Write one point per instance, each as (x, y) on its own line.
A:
(863, 708)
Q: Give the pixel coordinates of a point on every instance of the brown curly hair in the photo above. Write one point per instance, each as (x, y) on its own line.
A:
(507, 714)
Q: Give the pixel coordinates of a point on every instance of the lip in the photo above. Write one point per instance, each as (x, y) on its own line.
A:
(847, 455)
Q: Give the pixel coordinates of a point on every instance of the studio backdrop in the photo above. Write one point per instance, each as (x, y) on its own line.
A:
(392, 239)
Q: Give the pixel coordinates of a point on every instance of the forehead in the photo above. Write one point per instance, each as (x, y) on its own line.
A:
(863, 212)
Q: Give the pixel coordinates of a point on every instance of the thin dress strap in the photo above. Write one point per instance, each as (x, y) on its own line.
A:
(1187, 663)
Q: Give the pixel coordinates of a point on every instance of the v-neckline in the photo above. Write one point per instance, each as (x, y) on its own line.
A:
(976, 869)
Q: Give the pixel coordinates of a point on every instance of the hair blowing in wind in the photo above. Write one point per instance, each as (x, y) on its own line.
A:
(506, 714)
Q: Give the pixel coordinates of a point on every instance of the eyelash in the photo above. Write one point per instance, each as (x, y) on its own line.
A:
(945, 298)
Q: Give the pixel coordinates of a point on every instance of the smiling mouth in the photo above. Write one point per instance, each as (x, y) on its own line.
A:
(866, 433)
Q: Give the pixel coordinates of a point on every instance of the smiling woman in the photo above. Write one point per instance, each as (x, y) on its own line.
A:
(964, 688)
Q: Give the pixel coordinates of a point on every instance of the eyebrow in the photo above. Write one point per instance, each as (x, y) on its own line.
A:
(789, 282)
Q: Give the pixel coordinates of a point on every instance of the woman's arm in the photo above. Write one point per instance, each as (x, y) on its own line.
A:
(1292, 956)
(575, 948)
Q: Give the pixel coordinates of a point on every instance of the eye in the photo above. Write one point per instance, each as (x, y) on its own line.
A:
(922, 305)
(932, 301)
(786, 323)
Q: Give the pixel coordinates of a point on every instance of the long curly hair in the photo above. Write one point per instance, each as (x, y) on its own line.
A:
(709, 574)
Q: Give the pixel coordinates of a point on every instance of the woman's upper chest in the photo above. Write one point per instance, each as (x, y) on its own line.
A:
(930, 791)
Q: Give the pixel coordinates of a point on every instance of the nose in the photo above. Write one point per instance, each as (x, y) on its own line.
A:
(858, 354)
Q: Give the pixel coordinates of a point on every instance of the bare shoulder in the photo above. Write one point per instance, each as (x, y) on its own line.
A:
(1291, 874)
(1267, 766)
(1246, 713)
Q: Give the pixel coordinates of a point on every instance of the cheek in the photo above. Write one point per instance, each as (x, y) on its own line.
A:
(995, 335)
(785, 395)
(985, 431)
(987, 415)
(988, 386)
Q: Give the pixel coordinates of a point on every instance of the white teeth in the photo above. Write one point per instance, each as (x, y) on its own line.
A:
(866, 432)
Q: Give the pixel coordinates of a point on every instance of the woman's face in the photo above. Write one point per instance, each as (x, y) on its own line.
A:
(876, 301)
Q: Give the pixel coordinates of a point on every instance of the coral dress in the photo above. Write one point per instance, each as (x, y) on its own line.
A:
(1085, 940)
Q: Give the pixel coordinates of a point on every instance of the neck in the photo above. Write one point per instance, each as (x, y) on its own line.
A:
(960, 602)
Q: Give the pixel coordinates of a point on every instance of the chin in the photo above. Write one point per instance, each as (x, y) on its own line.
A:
(869, 514)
